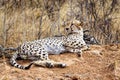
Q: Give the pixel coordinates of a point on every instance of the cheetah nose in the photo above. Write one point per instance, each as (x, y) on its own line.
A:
(67, 28)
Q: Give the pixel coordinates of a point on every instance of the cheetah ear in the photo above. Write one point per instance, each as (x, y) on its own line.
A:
(81, 23)
(65, 23)
(78, 24)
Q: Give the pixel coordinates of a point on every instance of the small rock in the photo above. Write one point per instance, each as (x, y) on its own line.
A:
(38, 79)
(111, 67)
(73, 76)
(98, 52)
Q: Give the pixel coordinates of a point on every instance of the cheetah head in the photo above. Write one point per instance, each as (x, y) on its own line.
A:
(74, 26)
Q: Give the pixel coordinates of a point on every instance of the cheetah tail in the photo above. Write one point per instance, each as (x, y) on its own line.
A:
(15, 64)
(28, 67)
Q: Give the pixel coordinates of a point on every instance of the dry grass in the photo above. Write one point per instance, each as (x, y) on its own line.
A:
(25, 23)
(24, 27)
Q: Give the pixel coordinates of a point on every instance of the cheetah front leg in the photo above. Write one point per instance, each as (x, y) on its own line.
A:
(79, 53)
(75, 50)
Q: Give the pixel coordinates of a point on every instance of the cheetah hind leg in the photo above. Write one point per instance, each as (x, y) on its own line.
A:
(49, 64)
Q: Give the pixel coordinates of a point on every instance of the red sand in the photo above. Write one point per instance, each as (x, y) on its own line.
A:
(99, 63)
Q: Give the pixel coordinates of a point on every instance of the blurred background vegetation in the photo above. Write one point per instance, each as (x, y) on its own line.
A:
(27, 20)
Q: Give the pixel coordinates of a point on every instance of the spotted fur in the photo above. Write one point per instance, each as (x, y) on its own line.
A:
(40, 49)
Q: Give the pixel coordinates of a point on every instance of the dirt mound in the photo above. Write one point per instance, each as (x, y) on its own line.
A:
(99, 63)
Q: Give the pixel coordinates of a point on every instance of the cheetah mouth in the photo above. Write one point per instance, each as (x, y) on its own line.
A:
(73, 33)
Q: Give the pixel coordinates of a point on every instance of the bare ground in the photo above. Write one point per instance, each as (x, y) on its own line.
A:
(99, 63)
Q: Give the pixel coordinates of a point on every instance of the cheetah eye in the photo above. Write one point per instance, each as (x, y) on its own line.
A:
(67, 28)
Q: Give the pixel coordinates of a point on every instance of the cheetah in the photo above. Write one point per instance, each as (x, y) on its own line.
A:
(40, 49)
